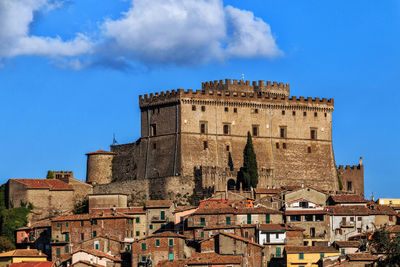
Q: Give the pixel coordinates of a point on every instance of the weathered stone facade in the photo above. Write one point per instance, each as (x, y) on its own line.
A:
(190, 134)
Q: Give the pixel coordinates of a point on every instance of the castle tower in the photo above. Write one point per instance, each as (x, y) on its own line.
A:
(99, 167)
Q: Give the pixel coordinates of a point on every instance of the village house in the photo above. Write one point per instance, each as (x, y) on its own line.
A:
(213, 259)
(347, 247)
(159, 247)
(308, 255)
(91, 256)
(21, 255)
(159, 215)
(231, 244)
(69, 231)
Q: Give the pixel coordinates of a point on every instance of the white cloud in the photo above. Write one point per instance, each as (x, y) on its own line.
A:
(15, 38)
(153, 32)
(189, 32)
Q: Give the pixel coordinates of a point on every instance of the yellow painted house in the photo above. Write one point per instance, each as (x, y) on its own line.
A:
(21, 255)
(306, 256)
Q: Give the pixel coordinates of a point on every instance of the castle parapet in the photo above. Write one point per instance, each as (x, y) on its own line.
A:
(268, 87)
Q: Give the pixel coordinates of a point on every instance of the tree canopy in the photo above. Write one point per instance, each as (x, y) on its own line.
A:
(249, 171)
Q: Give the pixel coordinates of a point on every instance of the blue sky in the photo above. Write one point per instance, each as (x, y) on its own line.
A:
(71, 71)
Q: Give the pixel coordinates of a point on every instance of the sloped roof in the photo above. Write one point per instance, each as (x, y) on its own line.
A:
(213, 258)
(33, 264)
(305, 211)
(267, 191)
(382, 210)
(174, 263)
(347, 244)
(99, 254)
(23, 253)
(279, 227)
(100, 151)
(361, 257)
(349, 210)
(240, 238)
(393, 228)
(82, 217)
(309, 249)
(87, 263)
(39, 224)
(348, 198)
(158, 203)
(51, 184)
(224, 208)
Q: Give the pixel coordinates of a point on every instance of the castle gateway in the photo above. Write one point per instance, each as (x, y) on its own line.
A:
(190, 135)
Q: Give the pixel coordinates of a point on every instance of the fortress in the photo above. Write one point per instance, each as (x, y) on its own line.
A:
(187, 137)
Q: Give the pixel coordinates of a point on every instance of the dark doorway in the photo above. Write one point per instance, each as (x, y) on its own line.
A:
(231, 184)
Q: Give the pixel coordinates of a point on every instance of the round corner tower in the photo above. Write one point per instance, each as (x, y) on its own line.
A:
(99, 167)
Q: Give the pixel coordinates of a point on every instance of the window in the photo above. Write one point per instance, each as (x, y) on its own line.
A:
(66, 237)
(295, 218)
(309, 149)
(96, 245)
(94, 233)
(248, 218)
(143, 246)
(202, 234)
(157, 242)
(322, 255)
(246, 234)
(312, 232)
(137, 233)
(284, 145)
(283, 112)
(203, 108)
(234, 110)
(151, 227)
(359, 219)
(137, 219)
(313, 133)
(170, 256)
(359, 230)
(277, 145)
(58, 225)
(349, 186)
(94, 222)
(391, 218)
(66, 224)
(276, 236)
(203, 127)
(315, 114)
(325, 115)
(170, 242)
(153, 129)
(303, 204)
(205, 145)
(228, 220)
(144, 259)
(162, 225)
(154, 145)
(282, 131)
(66, 249)
(278, 252)
(227, 129)
(305, 113)
(308, 217)
(193, 107)
(82, 222)
(294, 113)
(162, 215)
(82, 236)
(390, 202)
(255, 130)
(228, 148)
(226, 109)
(267, 218)
(202, 221)
(319, 217)
(342, 251)
(256, 110)
(301, 256)
(352, 219)
(58, 252)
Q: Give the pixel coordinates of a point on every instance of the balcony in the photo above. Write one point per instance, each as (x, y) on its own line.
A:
(346, 224)
(156, 219)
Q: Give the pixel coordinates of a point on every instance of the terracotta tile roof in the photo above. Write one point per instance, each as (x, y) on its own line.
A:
(305, 211)
(87, 263)
(99, 254)
(100, 151)
(349, 210)
(174, 263)
(278, 227)
(23, 253)
(213, 258)
(232, 226)
(128, 210)
(267, 191)
(33, 264)
(52, 184)
(347, 244)
(348, 198)
(184, 208)
(309, 249)
(382, 210)
(256, 210)
(361, 257)
(158, 203)
(82, 217)
(241, 238)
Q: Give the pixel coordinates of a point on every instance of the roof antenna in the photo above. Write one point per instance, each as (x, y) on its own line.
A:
(114, 140)
(242, 76)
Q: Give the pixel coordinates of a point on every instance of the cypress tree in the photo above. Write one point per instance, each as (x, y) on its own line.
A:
(249, 169)
(50, 175)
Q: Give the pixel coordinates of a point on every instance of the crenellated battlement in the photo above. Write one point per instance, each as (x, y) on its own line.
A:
(349, 167)
(268, 87)
(230, 97)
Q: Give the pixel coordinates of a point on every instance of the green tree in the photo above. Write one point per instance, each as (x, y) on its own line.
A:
(383, 243)
(50, 175)
(6, 244)
(249, 171)
(230, 162)
(12, 219)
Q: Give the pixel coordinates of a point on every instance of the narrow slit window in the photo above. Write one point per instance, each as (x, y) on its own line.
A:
(234, 110)
(283, 112)
(284, 145)
(305, 113)
(283, 131)
(255, 130)
(203, 127)
(203, 108)
(227, 129)
(294, 113)
(313, 133)
(277, 145)
(205, 145)
(193, 107)
(226, 109)
(309, 149)
(153, 130)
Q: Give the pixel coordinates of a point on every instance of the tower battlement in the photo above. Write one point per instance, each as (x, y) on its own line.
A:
(268, 87)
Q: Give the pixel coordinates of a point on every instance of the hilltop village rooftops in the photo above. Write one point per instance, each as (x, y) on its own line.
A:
(213, 258)
(51, 184)
(82, 217)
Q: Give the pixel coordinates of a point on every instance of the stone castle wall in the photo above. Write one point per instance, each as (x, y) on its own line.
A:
(354, 175)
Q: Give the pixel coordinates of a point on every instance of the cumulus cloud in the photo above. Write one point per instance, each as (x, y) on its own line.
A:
(15, 38)
(152, 32)
(189, 32)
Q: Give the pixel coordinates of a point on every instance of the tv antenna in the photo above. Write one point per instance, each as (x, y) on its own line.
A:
(114, 140)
